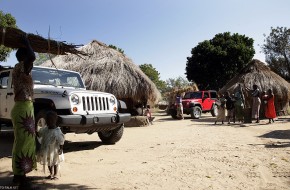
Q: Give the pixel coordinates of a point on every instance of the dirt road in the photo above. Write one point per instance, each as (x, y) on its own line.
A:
(172, 154)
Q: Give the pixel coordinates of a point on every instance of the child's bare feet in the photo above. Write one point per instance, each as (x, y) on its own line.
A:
(54, 178)
(49, 177)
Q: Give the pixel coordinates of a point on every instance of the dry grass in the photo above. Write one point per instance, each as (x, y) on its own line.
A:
(108, 70)
(257, 72)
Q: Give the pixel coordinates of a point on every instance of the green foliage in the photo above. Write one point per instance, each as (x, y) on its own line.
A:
(153, 74)
(5, 21)
(277, 51)
(41, 58)
(214, 62)
(177, 83)
(116, 48)
(173, 84)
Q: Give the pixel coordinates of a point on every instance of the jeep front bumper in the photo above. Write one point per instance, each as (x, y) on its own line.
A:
(92, 123)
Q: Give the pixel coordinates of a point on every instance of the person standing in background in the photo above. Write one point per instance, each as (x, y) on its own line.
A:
(256, 103)
(229, 106)
(239, 104)
(264, 101)
(255, 93)
(270, 112)
(179, 105)
(221, 116)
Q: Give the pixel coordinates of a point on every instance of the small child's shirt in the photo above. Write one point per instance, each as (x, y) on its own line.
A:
(51, 139)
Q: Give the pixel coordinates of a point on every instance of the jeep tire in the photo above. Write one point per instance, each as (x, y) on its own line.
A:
(173, 113)
(113, 136)
(214, 110)
(195, 112)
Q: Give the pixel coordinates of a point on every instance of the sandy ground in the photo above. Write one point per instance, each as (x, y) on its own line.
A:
(171, 154)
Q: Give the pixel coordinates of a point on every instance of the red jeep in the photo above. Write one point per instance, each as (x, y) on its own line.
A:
(195, 103)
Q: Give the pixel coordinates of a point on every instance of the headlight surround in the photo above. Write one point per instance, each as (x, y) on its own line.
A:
(112, 100)
(75, 99)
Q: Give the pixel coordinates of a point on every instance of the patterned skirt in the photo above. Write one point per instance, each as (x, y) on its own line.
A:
(24, 150)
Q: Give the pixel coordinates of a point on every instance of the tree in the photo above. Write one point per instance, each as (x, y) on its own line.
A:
(5, 21)
(214, 62)
(277, 51)
(154, 76)
(42, 57)
(177, 83)
(174, 85)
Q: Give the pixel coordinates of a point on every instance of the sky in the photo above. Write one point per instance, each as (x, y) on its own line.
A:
(157, 32)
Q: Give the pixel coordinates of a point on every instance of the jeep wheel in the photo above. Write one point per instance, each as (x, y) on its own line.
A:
(214, 110)
(113, 136)
(173, 113)
(195, 112)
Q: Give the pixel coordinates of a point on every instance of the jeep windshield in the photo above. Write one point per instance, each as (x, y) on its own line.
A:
(46, 76)
(193, 95)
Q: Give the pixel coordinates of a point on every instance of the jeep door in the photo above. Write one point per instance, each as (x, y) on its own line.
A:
(206, 101)
(5, 94)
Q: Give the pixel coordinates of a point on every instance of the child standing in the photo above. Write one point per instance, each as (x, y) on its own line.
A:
(221, 116)
(51, 150)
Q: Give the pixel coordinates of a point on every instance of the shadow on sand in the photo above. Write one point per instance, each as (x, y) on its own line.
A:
(7, 138)
(6, 142)
(203, 118)
(36, 183)
(277, 134)
(70, 146)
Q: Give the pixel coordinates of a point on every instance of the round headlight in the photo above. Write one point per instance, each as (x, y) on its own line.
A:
(112, 100)
(75, 99)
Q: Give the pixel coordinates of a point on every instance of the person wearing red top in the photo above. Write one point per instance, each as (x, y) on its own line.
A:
(270, 112)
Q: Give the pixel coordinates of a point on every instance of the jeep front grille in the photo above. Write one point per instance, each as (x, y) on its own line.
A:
(94, 103)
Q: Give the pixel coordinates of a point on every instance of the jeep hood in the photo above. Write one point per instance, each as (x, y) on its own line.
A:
(49, 89)
(190, 100)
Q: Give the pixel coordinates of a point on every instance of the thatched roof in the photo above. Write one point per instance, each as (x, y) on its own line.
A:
(256, 72)
(171, 95)
(108, 70)
(11, 37)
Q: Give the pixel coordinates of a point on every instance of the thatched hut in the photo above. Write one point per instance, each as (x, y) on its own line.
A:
(257, 72)
(171, 95)
(106, 69)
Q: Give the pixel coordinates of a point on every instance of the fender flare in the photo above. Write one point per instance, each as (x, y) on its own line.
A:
(42, 103)
(192, 105)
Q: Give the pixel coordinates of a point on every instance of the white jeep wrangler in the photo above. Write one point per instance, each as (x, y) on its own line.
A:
(79, 110)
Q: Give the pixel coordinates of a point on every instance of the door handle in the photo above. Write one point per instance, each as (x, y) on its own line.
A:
(10, 93)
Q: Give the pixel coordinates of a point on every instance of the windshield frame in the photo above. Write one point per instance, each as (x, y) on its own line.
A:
(193, 95)
(56, 77)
